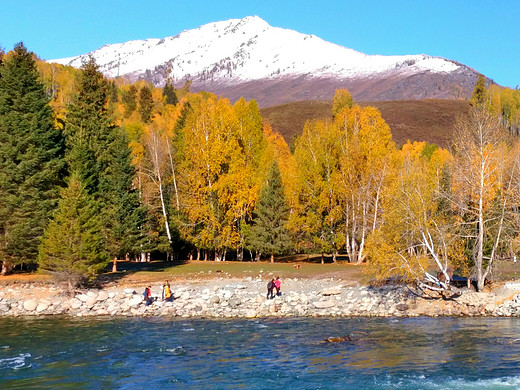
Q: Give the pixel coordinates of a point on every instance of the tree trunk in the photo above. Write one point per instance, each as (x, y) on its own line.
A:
(165, 215)
(172, 167)
(114, 264)
(322, 259)
(480, 240)
(272, 258)
(6, 268)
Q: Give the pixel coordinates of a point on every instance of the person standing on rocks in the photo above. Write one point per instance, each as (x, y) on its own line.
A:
(148, 295)
(277, 284)
(167, 293)
(270, 289)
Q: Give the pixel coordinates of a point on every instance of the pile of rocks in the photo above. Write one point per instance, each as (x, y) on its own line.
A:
(221, 298)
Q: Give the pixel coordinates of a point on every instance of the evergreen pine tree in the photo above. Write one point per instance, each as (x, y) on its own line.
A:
(99, 153)
(268, 233)
(145, 104)
(31, 159)
(129, 100)
(73, 247)
(478, 96)
(170, 97)
(89, 127)
(124, 214)
(114, 96)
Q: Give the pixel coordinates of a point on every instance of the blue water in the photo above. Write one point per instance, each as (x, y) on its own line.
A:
(159, 353)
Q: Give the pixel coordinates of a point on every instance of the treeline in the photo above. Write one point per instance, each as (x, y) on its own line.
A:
(120, 170)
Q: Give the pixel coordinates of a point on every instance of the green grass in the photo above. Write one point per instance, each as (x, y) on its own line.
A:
(158, 271)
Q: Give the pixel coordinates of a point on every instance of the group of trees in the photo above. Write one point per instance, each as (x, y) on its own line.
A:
(67, 194)
(92, 170)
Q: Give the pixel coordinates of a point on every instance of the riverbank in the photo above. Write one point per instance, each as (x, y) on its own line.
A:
(224, 297)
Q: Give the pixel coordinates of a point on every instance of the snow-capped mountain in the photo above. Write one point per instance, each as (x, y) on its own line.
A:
(248, 57)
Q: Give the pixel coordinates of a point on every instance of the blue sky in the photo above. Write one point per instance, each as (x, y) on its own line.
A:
(482, 34)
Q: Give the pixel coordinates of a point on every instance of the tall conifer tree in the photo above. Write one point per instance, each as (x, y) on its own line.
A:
(129, 100)
(31, 159)
(478, 96)
(98, 151)
(145, 104)
(269, 234)
(170, 97)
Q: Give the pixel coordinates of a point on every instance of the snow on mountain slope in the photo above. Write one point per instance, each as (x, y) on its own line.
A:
(244, 50)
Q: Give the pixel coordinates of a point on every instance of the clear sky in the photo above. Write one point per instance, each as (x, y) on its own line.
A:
(484, 35)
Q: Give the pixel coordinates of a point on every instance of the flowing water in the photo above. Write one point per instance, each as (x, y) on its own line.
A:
(159, 353)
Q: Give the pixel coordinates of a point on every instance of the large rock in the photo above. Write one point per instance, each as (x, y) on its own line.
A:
(135, 301)
(82, 297)
(234, 301)
(214, 299)
(331, 291)
(324, 304)
(30, 305)
(402, 307)
(42, 306)
(102, 296)
(491, 307)
(75, 303)
(91, 301)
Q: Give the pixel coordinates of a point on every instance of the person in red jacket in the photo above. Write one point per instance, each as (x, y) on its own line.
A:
(148, 295)
(277, 284)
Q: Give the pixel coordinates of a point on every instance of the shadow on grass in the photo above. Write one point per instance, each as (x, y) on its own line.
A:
(125, 268)
(313, 259)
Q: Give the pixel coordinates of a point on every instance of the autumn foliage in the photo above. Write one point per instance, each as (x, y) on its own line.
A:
(202, 164)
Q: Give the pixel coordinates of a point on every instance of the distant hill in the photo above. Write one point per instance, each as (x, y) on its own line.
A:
(251, 59)
(431, 120)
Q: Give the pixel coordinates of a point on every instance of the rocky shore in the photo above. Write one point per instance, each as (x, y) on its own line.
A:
(246, 298)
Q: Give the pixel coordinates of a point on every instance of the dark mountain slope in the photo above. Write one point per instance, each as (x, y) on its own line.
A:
(431, 120)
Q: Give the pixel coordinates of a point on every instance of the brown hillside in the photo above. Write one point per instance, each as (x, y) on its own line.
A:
(429, 120)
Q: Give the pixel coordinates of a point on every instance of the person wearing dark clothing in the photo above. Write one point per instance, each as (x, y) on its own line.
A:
(270, 289)
(148, 295)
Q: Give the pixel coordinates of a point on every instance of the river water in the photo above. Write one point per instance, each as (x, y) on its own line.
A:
(160, 353)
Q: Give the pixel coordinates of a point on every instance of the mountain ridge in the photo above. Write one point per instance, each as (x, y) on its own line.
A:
(248, 57)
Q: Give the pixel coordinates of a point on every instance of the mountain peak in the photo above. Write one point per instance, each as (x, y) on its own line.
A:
(229, 53)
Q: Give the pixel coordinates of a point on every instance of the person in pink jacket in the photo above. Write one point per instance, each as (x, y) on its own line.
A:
(277, 284)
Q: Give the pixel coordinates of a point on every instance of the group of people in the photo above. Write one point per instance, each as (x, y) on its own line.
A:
(274, 284)
(167, 295)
